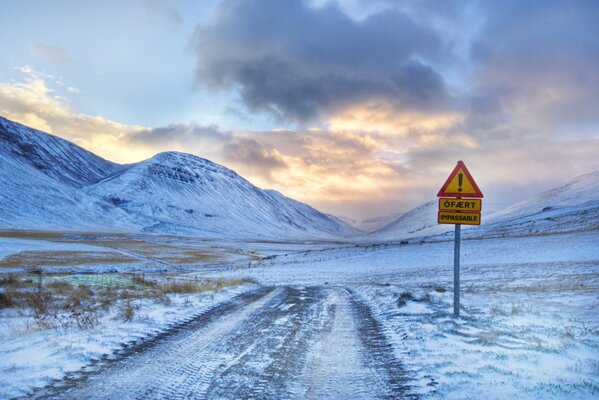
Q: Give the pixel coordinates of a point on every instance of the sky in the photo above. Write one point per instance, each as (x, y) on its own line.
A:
(360, 108)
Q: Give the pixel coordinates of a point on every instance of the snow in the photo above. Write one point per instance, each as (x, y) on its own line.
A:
(50, 183)
(33, 358)
(374, 263)
(529, 326)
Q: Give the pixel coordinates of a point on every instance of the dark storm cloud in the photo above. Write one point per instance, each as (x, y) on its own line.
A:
(226, 147)
(180, 133)
(252, 153)
(297, 61)
(539, 59)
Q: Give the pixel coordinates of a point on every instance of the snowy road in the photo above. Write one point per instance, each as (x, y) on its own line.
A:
(282, 342)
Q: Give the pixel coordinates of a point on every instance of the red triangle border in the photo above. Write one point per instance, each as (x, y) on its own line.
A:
(443, 193)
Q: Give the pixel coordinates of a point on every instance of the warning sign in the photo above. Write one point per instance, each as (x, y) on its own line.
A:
(463, 218)
(451, 204)
(460, 184)
(460, 204)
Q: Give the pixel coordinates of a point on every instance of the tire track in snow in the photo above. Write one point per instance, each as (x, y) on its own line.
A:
(335, 369)
(270, 366)
(353, 358)
(314, 342)
(378, 352)
(139, 371)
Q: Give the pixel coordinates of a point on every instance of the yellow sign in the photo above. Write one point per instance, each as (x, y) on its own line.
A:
(463, 218)
(460, 184)
(451, 204)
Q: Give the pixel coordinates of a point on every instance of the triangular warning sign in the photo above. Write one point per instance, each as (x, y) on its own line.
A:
(460, 184)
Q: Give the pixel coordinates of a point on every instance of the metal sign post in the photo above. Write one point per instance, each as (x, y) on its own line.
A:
(456, 271)
(460, 203)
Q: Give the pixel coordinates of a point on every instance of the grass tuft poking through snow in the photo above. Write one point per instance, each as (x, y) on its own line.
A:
(56, 323)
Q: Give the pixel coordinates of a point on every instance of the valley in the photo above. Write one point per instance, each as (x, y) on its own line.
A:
(175, 277)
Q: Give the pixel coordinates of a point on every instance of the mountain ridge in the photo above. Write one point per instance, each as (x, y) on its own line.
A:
(170, 192)
(571, 206)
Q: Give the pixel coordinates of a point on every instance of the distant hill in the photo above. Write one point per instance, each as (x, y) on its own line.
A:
(371, 224)
(50, 183)
(571, 207)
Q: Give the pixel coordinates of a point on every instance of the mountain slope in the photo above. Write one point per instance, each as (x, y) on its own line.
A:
(53, 156)
(418, 222)
(573, 206)
(40, 177)
(181, 191)
(371, 224)
(50, 183)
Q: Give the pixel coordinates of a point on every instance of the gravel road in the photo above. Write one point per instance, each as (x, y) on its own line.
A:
(274, 343)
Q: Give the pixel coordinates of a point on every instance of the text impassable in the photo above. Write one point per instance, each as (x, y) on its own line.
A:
(450, 204)
(464, 218)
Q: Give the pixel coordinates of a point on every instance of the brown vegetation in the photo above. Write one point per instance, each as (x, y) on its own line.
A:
(34, 259)
(54, 301)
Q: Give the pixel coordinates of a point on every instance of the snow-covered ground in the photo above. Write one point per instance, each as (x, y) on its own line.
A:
(32, 357)
(529, 326)
(389, 263)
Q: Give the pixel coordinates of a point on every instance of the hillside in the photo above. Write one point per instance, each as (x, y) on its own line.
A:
(184, 193)
(50, 183)
(570, 207)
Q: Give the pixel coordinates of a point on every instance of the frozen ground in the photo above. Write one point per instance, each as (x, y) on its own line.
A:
(32, 357)
(9, 245)
(360, 322)
(530, 311)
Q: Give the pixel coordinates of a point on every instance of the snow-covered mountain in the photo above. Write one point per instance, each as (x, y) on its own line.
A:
(50, 183)
(189, 192)
(41, 176)
(371, 224)
(418, 222)
(55, 157)
(573, 206)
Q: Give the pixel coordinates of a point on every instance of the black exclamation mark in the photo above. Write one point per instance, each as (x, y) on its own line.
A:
(460, 179)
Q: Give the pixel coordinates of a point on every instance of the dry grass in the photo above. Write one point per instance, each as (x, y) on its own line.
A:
(34, 259)
(187, 286)
(64, 301)
(6, 300)
(128, 311)
(167, 249)
(164, 252)
(183, 287)
(44, 235)
(141, 280)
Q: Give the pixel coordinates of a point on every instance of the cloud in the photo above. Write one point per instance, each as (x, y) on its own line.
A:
(237, 150)
(401, 91)
(164, 9)
(355, 172)
(299, 62)
(538, 61)
(33, 102)
(51, 54)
